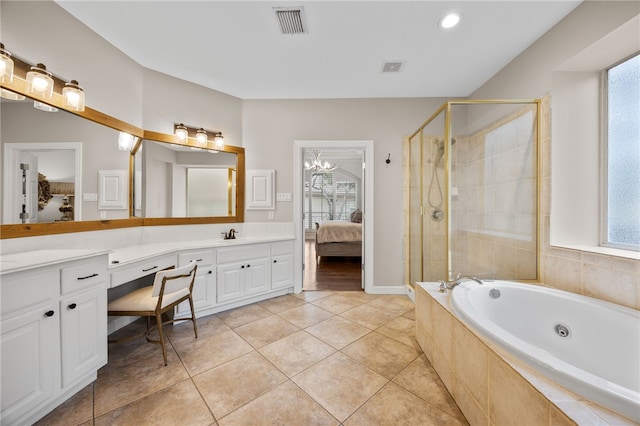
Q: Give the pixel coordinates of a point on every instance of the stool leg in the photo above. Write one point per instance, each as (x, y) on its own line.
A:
(193, 316)
(164, 350)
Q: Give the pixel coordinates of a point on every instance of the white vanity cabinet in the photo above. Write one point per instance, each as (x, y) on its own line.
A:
(204, 287)
(282, 264)
(53, 336)
(242, 271)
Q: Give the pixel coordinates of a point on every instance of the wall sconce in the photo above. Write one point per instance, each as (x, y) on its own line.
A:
(6, 65)
(39, 82)
(182, 134)
(126, 141)
(218, 140)
(201, 138)
(73, 96)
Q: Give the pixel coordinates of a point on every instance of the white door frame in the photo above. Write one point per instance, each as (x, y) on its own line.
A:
(298, 200)
(10, 160)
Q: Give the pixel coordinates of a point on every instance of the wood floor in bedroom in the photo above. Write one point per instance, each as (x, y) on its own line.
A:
(331, 273)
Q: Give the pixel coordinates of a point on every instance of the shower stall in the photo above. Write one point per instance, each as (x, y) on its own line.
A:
(471, 192)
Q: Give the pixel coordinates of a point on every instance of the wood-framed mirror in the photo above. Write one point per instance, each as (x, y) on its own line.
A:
(89, 137)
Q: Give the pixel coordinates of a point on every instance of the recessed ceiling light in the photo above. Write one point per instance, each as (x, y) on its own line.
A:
(450, 20)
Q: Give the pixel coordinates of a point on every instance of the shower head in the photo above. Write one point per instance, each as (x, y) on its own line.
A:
(440, 144)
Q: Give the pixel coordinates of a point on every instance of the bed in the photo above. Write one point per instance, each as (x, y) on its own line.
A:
(338, 238)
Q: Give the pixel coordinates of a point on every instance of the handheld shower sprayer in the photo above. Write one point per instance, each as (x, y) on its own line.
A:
(437, 214)
(440, 152)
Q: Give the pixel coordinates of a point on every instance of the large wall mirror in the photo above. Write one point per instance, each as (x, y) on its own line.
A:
(74, 178)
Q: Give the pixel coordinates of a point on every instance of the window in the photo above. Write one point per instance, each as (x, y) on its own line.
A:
(622, 152)
(327, 198)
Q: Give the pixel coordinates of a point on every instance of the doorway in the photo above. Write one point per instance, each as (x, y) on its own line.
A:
(326, 194)
(56, 166)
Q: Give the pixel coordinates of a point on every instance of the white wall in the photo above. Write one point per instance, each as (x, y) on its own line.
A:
(271, 126)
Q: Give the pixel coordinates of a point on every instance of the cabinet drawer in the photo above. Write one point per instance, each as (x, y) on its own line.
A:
(282, 247)
(141, 269)
(24, 289)
(203, 258)
(77, 277)
(237, 254)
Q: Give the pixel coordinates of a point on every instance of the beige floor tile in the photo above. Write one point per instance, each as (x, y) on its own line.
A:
(369, 316)
(310, 296)
(403, 330)
(235, 383)
(394, 405)
(284, 405)
(305, 315)
(410, 314)
(207, 326)
(338, 332)
(244, 315)
(281, 303)
(396, 304)
(340, 384)
(381, 354)
(268, 330)
(420, 378)
(177, 404)
(118, 386)
(336, 303)
(203, 354)
(74, 411)
(297, 352)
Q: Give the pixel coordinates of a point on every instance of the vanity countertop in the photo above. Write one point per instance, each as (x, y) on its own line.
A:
(127, 255)
(16, 262)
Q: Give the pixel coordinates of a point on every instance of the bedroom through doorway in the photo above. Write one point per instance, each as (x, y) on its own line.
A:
(333, 204)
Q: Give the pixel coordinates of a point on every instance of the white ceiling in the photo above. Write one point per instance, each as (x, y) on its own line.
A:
(236, 47)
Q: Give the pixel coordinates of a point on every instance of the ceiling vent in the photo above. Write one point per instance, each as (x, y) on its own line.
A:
(291, 20)
(392, 66)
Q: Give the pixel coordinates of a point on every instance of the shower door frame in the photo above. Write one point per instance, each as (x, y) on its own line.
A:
(448, 134)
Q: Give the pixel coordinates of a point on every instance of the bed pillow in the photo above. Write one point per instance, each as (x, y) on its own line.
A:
(356, 216)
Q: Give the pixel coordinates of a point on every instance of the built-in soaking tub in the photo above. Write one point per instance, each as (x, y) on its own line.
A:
(589, 346)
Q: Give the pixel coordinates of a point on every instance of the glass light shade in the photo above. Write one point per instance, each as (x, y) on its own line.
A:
(73, 96)
(12, 96)
(181, 133)
(201, 137)
(6, 65)
(126, 141)
(39, 82)
(218, 141)
(44, 107)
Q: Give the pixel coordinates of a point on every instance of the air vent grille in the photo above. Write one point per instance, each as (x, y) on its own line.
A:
(392, 66)
(291, 20)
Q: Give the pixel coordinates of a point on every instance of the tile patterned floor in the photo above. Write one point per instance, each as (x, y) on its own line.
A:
(317, 358)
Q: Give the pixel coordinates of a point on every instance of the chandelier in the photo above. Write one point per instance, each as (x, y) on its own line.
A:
(317, 165)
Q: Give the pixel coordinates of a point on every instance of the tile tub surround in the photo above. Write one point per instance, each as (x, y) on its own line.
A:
(491, 386)
(315, 358)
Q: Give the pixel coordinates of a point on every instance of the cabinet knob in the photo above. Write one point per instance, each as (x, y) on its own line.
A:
(275, 261)
(72, 306)
(248, 266)
(242, 267)
(210, 272)
(49, 313)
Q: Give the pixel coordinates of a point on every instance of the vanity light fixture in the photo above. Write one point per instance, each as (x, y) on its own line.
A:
(6, 65)
(12, 96)
(39, 82)
(181, 132)
(126, 141)
(201, 138)
(218, 140)
(44, 107)
(73, 96)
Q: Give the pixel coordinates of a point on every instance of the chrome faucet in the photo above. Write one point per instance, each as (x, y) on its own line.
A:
(231, 235)
(448, 285)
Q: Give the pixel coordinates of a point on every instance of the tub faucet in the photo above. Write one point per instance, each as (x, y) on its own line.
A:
(448, 285)
(231, 235)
